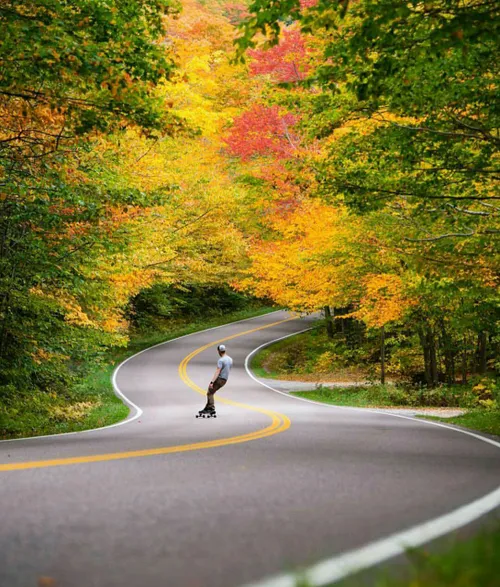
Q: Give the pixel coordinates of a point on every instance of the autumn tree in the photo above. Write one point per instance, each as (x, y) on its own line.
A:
(406, 128)
(286, 62)
(69, 72)
(419, 84)
(262, 130)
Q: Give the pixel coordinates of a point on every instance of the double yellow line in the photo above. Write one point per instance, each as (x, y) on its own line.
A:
(279, 423)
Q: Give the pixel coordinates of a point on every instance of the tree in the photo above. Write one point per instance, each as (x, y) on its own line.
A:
(262, 130)
(84, 225)
(420, 77)
(287, 61)
(311, 258)
(407, 128)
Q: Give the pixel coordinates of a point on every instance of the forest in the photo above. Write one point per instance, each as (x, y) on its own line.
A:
(162, 159)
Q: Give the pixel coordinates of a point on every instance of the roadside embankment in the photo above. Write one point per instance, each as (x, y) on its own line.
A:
(312, 367)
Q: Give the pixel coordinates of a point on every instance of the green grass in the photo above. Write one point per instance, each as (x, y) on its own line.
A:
(482, 420)
(465, 563)
(377, 396)
(309, 354)
(380, 396)
(372, 396)
(260, 363)
(89, 404)
(92, 403)
(474, 562)
(261, 372)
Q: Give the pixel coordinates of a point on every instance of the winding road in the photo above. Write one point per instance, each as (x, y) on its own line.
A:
(271, 484)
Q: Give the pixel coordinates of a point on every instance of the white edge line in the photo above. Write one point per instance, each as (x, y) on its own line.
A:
(341, 566)
(122, 396)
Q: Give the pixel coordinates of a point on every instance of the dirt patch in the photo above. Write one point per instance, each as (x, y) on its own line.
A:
(441, 412)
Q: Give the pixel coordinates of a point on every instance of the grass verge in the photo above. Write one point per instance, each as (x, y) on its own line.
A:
(260, 361)
(92, 403)
(298, 358)
(465, 563)
(390, 395)
(482, 420)
(380, 396)
(361, 397)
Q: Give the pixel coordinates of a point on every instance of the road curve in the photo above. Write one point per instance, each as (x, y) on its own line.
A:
(276, 483)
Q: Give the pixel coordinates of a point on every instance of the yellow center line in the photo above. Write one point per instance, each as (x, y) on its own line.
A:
(279, 423)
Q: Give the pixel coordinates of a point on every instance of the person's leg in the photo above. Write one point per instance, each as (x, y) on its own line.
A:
(218, 383)
(210, 397)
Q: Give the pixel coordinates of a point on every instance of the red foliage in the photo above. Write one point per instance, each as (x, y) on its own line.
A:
(281, 180)
(235, 12)
(308, 3)
(285, 62)
(262, 130)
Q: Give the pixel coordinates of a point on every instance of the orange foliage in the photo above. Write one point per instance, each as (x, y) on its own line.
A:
(384, 300)
(315, 258)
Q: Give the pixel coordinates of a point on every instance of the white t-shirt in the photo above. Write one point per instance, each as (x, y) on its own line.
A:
(224, 364)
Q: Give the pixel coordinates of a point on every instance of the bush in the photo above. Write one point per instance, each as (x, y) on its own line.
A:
(400, 396)
(290, 359)
(405, 362)
(486, 393)
(325, 362)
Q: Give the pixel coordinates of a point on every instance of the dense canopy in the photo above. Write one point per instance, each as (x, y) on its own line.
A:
(315, 153)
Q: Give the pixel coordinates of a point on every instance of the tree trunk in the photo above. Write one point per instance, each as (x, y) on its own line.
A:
(481, 352)
(432, 357)
(339, 325)
(382, 355)
(329, 322)
(449, 354)
(428, 342)
(426, 352)
(5, 301)
(464, 362)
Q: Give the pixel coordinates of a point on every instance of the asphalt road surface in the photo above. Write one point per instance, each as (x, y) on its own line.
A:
(169, 500)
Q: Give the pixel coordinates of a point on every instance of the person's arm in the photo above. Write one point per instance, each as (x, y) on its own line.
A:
(216, 374)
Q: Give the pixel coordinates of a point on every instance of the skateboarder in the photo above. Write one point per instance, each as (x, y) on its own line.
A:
(219, 379)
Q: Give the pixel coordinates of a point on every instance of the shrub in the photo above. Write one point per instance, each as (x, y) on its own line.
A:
(325, 362)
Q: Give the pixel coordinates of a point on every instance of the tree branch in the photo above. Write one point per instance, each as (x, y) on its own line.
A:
(471, 212)
(440, 237)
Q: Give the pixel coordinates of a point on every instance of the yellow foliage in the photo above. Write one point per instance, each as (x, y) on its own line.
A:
(324, 363)
(385, 300)
(322, 255)
(73, 412)
(193, 233)
(489, 404)
(208, 90)
(315, 260)
(41, 355)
